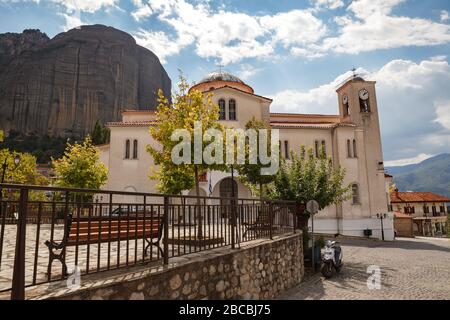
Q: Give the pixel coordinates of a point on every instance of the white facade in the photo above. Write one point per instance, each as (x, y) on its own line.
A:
(351, 138)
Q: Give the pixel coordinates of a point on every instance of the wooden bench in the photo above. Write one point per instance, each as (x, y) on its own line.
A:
(97, 230)
(263, 222)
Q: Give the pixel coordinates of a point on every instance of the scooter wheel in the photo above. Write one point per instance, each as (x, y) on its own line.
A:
(327, 270)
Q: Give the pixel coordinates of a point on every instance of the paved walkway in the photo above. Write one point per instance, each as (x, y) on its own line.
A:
(410, 269)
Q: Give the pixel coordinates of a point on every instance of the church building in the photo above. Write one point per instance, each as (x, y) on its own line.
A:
(351, 138)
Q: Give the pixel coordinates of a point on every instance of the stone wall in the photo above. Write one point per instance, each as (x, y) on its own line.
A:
(260, 270)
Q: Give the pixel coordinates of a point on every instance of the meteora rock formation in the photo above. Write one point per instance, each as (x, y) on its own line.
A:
(62, 86)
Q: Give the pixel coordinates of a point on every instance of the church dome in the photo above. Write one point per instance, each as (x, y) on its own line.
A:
(220, 79)
(220, 76)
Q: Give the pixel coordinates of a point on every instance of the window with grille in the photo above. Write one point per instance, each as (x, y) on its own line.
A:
(221, 109)
(232, 109)
(349, 148)
(355, 194)
(286, 149)
(135, 149)
(127, 149)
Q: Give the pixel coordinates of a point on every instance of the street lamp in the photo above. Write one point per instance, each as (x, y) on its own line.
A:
(17, 160)
(382, 216)
(4, 167)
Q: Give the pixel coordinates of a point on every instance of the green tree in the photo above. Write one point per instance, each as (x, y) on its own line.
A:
(1, 136)
(306, 177)
(25, 172)
(80, 166)
(100, 134)
(187, 108)
(250, 174)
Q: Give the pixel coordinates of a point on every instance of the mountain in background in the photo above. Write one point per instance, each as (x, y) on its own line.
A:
(431, 175)
(62, 86)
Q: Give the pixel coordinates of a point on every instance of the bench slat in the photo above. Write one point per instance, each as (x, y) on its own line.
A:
(93, 238)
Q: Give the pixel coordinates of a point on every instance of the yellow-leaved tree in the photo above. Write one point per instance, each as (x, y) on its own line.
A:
(188, 108)
(80, 166)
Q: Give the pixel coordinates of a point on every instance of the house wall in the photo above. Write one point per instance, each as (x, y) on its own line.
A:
(404, 227)
(419, 208)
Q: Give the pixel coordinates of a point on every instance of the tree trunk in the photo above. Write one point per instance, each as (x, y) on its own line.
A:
(197, 207)
(183, 205)
(302, 217)
(260, 197)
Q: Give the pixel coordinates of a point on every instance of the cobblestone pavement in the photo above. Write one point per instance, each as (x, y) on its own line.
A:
(410, 269)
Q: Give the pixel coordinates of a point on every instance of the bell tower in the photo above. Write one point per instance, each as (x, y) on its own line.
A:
(358, 106)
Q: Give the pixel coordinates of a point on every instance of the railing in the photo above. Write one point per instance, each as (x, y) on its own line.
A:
(48, 233)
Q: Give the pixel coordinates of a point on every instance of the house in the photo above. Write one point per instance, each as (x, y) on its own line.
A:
(403, 224)
(351, 138)
(428, 211)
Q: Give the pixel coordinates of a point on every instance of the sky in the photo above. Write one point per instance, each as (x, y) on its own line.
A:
(296, 52)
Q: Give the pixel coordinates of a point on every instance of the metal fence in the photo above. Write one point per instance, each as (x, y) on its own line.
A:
(47, 233)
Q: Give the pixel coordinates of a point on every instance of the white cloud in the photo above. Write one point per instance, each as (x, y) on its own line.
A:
(385, 32)
(413, 100)
(86, 5)
(374, 28)
(413, 160)
(247, 71)
(142, 12)
(327, 4)
(363, 9)
(231, 36)
(444, 16)
(294, 27)
(158, 43)
(443, 113)
(72, 21)
(317, 100)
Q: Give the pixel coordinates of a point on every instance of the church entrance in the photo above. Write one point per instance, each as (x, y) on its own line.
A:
(226, 188)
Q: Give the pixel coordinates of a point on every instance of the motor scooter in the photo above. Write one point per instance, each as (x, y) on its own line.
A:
(331, 258)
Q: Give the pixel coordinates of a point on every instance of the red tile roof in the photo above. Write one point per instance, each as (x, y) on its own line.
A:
(397, 197)
(308, 125)
(136, 123)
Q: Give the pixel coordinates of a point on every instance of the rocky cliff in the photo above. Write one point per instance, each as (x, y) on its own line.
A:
(62, 86)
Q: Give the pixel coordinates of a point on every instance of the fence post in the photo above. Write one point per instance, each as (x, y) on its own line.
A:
(270, 219)
(18, 282)
(166, 230)
(233, 223)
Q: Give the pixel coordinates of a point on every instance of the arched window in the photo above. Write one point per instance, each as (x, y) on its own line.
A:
(232, 109)
(346, 109)
(355, 154)
(221, 109)
(127, 149)
(355, 193)
(286, 149)
(135, 149)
